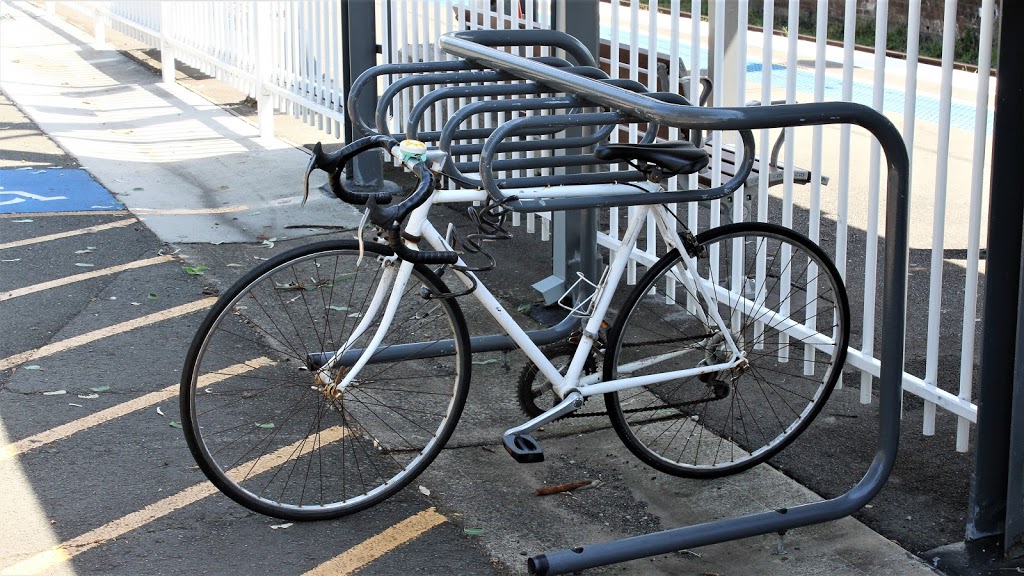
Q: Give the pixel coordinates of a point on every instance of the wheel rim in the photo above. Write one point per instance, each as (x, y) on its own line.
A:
(727, 422)
(271, 437)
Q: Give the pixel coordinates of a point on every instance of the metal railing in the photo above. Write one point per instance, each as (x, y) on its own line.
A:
(299, 71)
(285, 54)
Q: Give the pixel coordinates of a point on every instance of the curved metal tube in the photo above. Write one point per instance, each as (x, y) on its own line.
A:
(551, 126)
(386, 69)
(491, 184)
(551, 38)
(384, 103)
(893, 305)
(451, 92)
(371, 74)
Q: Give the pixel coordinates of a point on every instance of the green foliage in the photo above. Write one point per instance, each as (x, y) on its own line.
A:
(965, 51)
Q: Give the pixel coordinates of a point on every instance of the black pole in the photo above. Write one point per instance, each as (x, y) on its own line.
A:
(987, 510)
(359, 47)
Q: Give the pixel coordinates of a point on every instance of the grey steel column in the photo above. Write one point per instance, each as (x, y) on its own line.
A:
(734, 63)
(997, 488)
(359, 49)
(574, 233)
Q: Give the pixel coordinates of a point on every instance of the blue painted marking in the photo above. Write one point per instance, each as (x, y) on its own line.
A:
(52, 190)
(926, 108)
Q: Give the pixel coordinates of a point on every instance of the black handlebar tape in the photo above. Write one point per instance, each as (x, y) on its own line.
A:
(385, 216)
(333, 161)
(424, 256)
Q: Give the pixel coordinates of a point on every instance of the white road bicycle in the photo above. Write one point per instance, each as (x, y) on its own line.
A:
(327, 378)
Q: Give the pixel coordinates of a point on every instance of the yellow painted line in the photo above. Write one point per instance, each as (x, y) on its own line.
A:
(64, 345)
(64, 430)
(186, 211)
(70, 233)
(360, 555)
(47, 559)
(73, 213)
(84, 276)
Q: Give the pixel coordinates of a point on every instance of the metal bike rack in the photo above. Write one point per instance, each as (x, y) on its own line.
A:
(475, 48)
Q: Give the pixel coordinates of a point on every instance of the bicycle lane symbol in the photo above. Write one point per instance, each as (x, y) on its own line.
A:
(24, 195)
(53, 190)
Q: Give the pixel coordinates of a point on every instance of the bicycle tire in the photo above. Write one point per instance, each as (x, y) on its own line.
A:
(724, 423)
(281, 444)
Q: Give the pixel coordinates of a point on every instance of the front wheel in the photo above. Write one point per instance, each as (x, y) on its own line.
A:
(787, 311)
(277, 440)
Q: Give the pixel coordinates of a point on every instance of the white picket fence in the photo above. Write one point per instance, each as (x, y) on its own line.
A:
(288, 53)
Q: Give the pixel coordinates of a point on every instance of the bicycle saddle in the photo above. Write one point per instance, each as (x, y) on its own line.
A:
(680, 157)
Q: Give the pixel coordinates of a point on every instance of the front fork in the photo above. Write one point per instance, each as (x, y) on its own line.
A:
(393, 281)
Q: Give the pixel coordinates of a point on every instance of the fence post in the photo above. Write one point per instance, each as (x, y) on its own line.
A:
(997, 486)
(359, 47)
(99, 27)
(574, 233)
(263, 39)
(166, 52)
(727, 72)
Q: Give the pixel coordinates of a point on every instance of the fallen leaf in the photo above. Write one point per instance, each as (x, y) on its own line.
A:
(473, 531)
(88, 396)
(100, 388)
(34, 367)
(55, 393)
(233, 265)
(524, 308)
(281, 526)
(174, 424)
(424, 490)
(159, 411)
(338, 308)
(265, 425)
(269, 242)
(151, 296)
(556, 488)
(194, 270)
(84, 265)
(86, 251)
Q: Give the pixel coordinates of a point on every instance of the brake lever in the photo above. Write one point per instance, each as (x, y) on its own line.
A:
(326, 161)
(305, 179)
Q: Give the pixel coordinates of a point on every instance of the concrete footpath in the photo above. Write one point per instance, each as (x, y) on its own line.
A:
(197, 174)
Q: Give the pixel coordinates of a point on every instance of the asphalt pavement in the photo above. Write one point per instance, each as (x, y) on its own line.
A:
(99, 299)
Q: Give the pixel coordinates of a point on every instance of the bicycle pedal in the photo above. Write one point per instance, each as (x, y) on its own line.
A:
(523, 448)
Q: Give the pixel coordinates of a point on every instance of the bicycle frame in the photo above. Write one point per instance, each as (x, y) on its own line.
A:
(419, 226)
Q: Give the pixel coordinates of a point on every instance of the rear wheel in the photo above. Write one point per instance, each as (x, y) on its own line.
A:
(787, 311)
(276, 440)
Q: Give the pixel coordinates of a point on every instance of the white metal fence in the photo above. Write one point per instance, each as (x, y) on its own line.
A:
(289, 51)
(285, 54)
